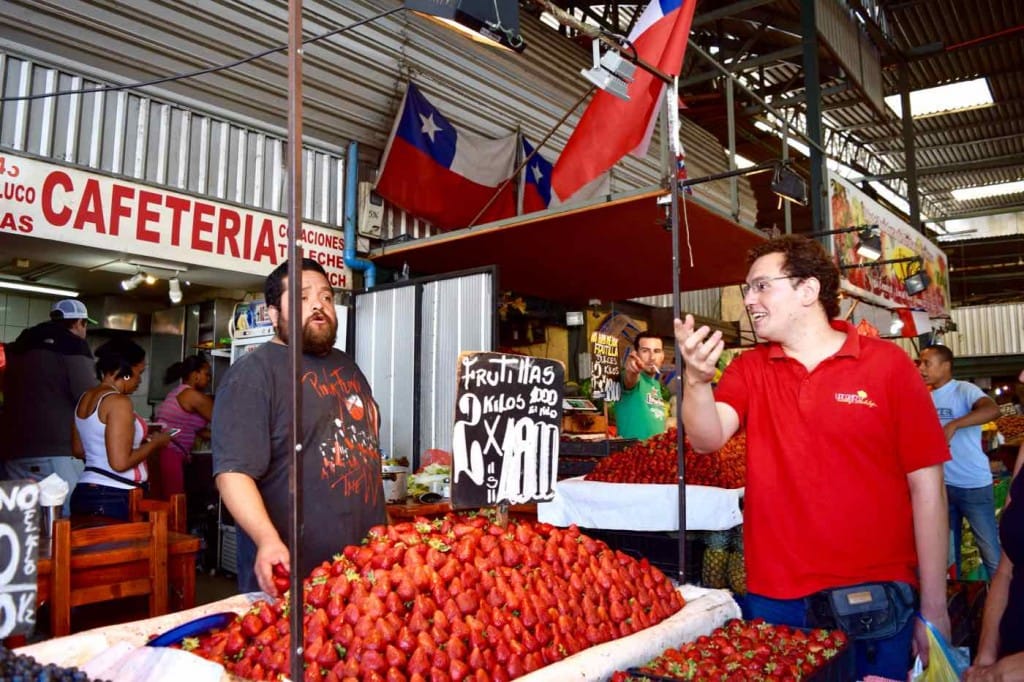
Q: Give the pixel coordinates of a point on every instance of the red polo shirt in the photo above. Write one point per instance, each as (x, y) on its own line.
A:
(828, 453)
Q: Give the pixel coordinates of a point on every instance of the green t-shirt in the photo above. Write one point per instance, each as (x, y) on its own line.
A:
(641, 412)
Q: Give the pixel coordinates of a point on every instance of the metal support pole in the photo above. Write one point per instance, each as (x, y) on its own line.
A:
(812, 86)
(294, 321)
(671, 133)
(730, 112)
(909, 150)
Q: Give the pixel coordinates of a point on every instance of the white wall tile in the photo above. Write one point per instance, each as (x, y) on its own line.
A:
(17, 311)
(39, 310)
(3, 309)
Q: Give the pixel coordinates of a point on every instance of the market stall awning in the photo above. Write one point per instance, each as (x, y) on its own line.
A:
(615, 250)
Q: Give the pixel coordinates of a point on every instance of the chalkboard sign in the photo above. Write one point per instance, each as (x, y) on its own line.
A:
(604, 367)
(508, 418)
(19, 545)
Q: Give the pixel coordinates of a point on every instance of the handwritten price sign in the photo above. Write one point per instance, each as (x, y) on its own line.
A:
(19, 545)
(508, 417)
(604, 373)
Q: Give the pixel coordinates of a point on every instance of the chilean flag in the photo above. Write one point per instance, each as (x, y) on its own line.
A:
(443, 175)
(610, 128)
(535, 187)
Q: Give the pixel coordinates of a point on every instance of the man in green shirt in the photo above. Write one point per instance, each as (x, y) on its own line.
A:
(641, 411)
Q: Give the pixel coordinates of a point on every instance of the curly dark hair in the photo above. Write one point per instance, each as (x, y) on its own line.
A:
(805, 258)
(273, 288)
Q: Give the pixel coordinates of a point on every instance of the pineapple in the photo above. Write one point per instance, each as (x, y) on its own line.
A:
(714, 572)
(737, 569)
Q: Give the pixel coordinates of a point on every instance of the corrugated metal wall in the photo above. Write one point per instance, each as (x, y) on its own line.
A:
(840, 32)
(987, 330)
(458, 315)
(455, 314)
(159, 143)
(385, 345)
(353, 83)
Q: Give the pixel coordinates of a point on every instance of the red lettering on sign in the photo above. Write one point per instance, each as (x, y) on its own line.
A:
(90, 211)
(265, 243)
(119, 207)
(178, 206)
(201, 222)
(148, 215)
(227, 232)
(57, 218)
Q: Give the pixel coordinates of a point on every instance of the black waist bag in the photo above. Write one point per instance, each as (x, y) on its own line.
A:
(865, 612)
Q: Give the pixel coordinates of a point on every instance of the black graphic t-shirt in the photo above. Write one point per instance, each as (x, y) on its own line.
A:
(341, 485)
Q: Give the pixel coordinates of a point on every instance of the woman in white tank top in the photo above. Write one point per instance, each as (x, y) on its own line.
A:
(110, 436)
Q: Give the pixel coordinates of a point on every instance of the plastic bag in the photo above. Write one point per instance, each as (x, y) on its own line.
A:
(945, 664)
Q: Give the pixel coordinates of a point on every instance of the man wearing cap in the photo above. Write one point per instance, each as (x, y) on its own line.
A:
(48, 367)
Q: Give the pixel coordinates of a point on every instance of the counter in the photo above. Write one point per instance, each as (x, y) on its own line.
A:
(118, 653)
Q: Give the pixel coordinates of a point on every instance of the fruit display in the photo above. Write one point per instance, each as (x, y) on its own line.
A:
(22, 667)
(737, 568)
(747, 651)
(655, 461)
(715, 568)
(1011, 426)
(455, 598)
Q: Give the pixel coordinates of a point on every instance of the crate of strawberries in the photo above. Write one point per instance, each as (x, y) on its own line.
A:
(752, 651)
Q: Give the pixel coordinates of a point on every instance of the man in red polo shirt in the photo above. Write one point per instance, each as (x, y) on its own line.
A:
(844, 451)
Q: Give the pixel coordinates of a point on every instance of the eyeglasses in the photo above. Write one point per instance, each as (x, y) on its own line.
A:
(763, 284)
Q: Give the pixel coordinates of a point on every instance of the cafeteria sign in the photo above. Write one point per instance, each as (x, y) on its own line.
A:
(19, 545)
(508, 417)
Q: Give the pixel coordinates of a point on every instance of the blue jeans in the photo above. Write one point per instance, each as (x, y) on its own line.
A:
(38, 468)
(889, 658)
(245, 556)
(978, 506)
(92, 499)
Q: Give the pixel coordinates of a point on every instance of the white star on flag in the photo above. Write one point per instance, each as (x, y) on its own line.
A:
(537, 175)
(429, 128)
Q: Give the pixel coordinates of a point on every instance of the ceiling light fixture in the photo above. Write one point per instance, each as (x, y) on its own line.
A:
(174, 289)
(495, 22)
(610, 73)
(133, 281)
(38, 289)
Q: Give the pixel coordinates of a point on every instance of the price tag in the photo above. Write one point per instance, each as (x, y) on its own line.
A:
(604, 367)
(19, 547)
(508, 418)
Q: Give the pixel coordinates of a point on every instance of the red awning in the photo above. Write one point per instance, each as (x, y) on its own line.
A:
(616, 250)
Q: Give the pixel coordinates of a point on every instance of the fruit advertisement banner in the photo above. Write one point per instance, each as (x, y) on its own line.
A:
(19, 546)
(508, 419)
(883, 284)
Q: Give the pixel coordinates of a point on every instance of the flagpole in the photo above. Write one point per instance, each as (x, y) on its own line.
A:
(524, 162)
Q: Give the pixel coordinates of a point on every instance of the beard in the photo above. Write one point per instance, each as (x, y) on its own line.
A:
(315, 341)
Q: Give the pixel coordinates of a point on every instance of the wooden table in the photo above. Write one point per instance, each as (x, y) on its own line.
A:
(181, 565)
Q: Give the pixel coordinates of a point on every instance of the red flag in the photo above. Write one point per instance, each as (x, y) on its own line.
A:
(610, 128)
(442, 174)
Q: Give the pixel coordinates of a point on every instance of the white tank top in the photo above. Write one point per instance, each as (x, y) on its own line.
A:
(93, 433)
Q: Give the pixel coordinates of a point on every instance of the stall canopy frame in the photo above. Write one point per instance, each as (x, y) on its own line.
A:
(614, 250)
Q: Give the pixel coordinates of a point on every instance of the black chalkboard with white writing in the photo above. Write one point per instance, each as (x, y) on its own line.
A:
(19, 546)
(604, 367)
(508, 418)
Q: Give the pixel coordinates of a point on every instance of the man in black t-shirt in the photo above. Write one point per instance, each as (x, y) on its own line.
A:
(342, 490)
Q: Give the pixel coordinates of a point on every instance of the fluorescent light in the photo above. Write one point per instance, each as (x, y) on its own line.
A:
(36, 289)
(982, 191)
(945, 99)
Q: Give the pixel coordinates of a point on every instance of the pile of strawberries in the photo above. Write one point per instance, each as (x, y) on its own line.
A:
(456, 598)
(655, 460)
(745, 651)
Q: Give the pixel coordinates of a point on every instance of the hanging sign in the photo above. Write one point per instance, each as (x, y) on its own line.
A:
(19, 546)
(508, 417)
(604, 367)
(65, 204)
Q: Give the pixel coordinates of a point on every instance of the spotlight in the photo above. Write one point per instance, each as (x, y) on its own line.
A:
(174, 289)
(870, 247)
(149, 279)
(789, 186)
(610, 73)
(133, 281)
(916, 283)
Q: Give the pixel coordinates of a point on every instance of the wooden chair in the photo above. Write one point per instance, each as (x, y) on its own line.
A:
(174, 507)
(84, 562)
